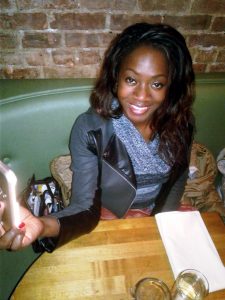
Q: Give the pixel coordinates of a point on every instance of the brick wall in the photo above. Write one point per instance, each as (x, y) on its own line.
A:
(67, 38)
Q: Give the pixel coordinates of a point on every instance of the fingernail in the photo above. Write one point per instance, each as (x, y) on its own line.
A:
(21, 225)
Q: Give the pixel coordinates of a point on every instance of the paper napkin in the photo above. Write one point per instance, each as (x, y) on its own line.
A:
(189, 246)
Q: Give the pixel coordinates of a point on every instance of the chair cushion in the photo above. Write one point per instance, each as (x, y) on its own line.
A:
(60, 169)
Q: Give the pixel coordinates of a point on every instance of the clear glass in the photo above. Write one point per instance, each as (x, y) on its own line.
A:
(150, 288)
(190, 284)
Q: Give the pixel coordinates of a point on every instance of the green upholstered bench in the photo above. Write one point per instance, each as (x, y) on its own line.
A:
(35, 121)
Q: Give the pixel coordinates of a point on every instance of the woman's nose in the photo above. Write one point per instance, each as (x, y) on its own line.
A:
(142, 92)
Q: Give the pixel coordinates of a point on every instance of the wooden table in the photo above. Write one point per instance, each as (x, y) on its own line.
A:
(106, 263)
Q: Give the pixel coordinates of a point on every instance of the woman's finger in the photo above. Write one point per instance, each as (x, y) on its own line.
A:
(2, 230)
(8, 237)
(17, 241)
(1, 209)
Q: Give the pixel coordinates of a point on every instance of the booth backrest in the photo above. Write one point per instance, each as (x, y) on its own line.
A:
(36, 117)
(209, 110)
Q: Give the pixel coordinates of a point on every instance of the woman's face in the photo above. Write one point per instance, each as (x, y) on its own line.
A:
(143, 84)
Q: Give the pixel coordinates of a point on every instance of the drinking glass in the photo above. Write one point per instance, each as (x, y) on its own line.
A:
(190, 284)
(150, 288)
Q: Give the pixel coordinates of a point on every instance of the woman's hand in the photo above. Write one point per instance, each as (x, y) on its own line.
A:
(28, 231)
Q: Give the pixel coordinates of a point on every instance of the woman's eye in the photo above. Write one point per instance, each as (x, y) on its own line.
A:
(157, 85)
(130, 80)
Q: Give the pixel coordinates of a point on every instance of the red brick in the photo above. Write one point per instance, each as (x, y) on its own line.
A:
(37, 57)
(7, 4)
(63, 57)
(12, 57)
(208, 6)
(84, 28)
(87, 40)
(206, 40)
(41, 40)
(23, 21)
(89, 71)
(108, 4)
(21, 73)
(128, 5)
(102, 53)
(78, 58)
(82, 4)
(8, 41)
(217, 67)
(165, 5)
(197, 22)
(119, 22)
(221, 56)
(60, 4)
(49, 4)
(193, 52)
(199, 68)
(2, 76)
(96, 4)
(205, 56)
(78, 21)
(30, 4)
(218, 24)
(88, 57)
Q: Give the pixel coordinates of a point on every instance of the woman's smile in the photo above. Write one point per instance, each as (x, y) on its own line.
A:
(138, 110)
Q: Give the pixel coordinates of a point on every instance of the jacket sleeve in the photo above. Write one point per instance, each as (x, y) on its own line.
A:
(174, 196)
(75, 225)
(83, 213)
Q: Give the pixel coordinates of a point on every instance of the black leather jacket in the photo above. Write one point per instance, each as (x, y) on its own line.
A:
(114, 187)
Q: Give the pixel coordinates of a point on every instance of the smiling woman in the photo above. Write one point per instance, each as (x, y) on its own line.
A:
(131, 149)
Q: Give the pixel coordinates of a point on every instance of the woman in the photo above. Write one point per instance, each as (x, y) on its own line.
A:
(130, 150)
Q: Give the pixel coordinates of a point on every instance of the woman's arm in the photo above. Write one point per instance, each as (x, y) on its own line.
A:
(83, 213)
(80, 217)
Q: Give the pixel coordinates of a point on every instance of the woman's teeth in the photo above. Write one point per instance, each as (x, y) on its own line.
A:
(138, 109)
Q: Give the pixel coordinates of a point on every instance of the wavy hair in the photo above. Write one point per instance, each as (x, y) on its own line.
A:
(171, 120)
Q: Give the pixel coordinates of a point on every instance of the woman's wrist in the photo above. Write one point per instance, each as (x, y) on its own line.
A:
(51, 226)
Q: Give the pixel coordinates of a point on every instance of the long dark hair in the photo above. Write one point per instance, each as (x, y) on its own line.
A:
(172, 119)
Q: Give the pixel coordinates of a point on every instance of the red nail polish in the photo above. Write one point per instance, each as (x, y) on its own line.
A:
(21, 225)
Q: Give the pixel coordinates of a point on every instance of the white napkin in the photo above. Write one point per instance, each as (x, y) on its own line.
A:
(189, 246)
